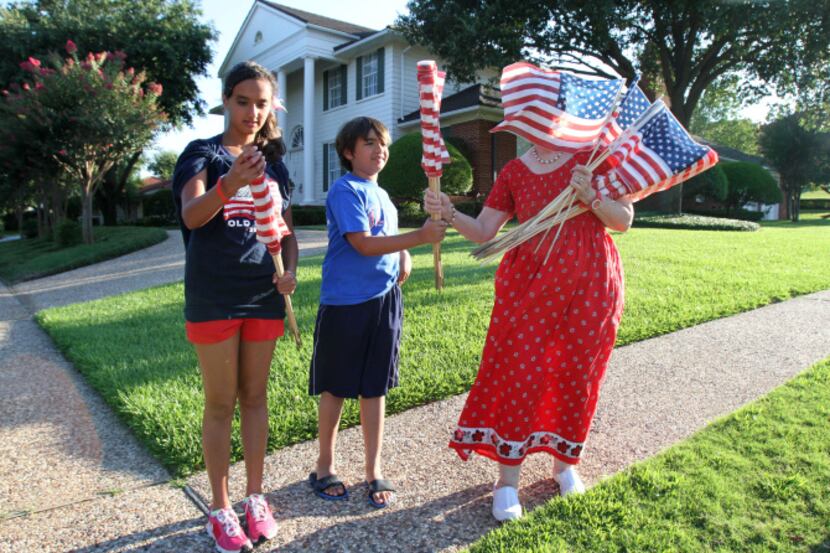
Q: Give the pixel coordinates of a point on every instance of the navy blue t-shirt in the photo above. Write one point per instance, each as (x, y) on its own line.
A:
(227, 272)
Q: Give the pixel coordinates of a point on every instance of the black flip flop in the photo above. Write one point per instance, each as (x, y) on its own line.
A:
(321, 485)
(377, 486)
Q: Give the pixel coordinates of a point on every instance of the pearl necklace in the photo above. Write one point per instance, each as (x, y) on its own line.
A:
(543, 161)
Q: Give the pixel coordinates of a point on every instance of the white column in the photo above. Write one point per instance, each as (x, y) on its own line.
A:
(309, 144)
(282, 93)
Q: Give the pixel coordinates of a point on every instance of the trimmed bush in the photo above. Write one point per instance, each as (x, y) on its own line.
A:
(404, 178)
(741, 214)
(711, 184)
(308, 215)
(815, 203)
(68, 234)
(29, 229)
(749, 182)
(159, 206)
(410, 214)
(471, 207)
(693, 222)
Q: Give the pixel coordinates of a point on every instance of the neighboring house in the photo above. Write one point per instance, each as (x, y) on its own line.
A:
(329, 71)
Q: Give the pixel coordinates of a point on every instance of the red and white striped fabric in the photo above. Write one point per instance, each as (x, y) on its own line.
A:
(430, 88)
(270, 226)
(555, 109)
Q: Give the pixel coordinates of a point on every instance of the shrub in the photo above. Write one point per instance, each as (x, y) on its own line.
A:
(469, 207)
(68, 234)
(160, 204)
(693, 222)
(155, 221)
(410, 214)
(2, 229)
(711, 184)
(741, 214)
(308, 214)
(749, 182)
(29, 229)
(404, 178)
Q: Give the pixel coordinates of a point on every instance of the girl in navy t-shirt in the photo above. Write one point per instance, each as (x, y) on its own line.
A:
(234, 307)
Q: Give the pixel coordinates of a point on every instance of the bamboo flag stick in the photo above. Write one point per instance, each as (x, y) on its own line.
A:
(435, 186)
(289, 308)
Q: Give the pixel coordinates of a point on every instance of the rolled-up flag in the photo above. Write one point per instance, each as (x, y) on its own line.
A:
(270, 230)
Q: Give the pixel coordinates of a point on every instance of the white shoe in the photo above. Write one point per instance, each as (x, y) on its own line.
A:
(506, 504)
(569, 482)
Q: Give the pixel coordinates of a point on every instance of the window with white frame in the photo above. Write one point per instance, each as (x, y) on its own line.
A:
(331, 165)
(370, 72)
(334, 87)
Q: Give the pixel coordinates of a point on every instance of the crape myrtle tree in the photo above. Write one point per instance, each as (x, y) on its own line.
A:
(164, 39)
(680, 46)
(81, 116)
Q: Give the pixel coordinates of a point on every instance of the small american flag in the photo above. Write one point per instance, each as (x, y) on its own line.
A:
(270, 226)
(658, 155)
(633, 105)
(555, 109)
(430, 89)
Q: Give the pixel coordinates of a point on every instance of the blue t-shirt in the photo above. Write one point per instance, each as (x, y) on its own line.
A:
(357, 205)
(227, 272)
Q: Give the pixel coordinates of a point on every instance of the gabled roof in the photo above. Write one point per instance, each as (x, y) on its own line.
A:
(477, 95)
(321, 21)
(731, 154)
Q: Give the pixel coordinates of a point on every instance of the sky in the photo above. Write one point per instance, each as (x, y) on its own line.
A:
(227, 17)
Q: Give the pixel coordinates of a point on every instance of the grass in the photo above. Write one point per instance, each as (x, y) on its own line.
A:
(756, 480)
(817, 194)
(26, 259)
(132, 348)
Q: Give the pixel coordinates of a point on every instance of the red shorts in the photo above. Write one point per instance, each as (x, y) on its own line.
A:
(250, 330)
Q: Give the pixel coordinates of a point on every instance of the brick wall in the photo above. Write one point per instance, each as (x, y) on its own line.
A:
(475, 141)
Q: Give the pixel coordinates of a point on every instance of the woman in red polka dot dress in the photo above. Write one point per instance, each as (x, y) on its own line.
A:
(553, 324)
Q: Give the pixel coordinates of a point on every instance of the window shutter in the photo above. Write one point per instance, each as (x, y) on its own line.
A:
(325, 167)
(344, 87)
(359, 79)
(325, 90)
(380, 70)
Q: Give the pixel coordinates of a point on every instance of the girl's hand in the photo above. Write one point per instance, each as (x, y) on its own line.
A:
(406, 266)
(287, 284)
(437, 203)
(245, 169)
(581, 183)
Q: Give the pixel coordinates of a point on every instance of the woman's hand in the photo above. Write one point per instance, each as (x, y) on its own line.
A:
(246, 168)
(406, 266)
(287, 284)
(437, 203)
(581, 183)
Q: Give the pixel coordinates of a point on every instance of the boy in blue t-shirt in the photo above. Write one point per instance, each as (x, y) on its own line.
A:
(358, 329)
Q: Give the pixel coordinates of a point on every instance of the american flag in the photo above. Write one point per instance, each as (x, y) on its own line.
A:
(430, 89)
(658, 154)
(633, 105)
(555, 109)
(270, 226)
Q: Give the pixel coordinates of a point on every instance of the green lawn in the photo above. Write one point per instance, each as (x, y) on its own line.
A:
(38, 257)
(757, 480)
(817, 194)
(132, 348)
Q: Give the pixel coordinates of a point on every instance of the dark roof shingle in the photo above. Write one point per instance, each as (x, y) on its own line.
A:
(474, 95)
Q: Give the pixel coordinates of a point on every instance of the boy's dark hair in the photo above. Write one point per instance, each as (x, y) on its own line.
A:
(358, 127)
(269, 138)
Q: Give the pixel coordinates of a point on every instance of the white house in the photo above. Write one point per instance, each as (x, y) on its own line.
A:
(330, 71)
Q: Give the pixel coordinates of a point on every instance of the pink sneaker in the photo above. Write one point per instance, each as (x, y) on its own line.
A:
(260, 520)
(223, 526)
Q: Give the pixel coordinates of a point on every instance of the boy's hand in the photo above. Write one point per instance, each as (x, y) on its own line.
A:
(245, 169)
(433, 231)
(287, 284)
(437, 203)
(406, 266)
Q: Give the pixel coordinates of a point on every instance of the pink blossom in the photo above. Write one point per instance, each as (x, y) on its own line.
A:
(101, 56)
(155, 88)
(71, 48)
(108, 85)
(39, 85)
(26, 86)
(70, 62)
(120, 55)
(34, 61)
(63, 152)
(5, 92)
(86, 65)
(90, 57)
(27, 66)
(130, 71)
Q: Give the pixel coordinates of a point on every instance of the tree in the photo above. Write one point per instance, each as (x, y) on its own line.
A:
(164, 39)
(681, 46)
(83, 116)
(800, 156)
(717, 117)
(163, 164)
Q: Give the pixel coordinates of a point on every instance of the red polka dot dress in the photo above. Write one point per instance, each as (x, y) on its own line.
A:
(551, 332)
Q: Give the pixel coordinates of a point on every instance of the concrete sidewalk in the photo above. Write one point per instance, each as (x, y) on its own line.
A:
(64, 455)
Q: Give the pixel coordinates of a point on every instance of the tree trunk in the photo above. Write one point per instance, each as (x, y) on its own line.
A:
(86, 217)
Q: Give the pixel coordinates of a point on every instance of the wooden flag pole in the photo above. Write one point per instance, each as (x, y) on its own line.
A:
(435, 186)
(289, 309)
